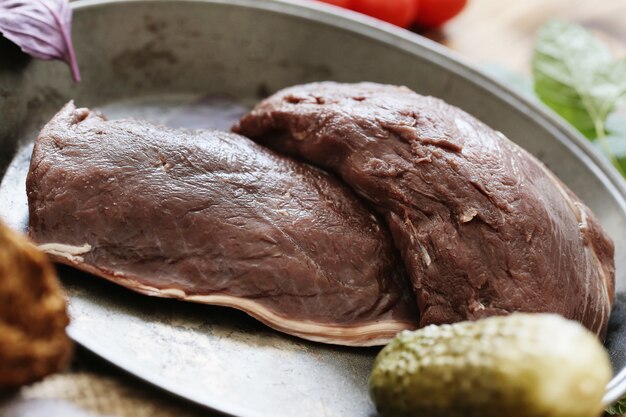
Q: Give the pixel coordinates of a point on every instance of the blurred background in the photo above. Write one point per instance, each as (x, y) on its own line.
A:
(503, 32)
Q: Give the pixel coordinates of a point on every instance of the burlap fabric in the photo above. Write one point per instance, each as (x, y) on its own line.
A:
(92, 388)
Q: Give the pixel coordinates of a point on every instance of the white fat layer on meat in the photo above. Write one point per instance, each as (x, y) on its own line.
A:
(582, 224)
(173, 292)
(581, 216)
(425, 255)
(468, 215)
(373, 334)
(66, 251)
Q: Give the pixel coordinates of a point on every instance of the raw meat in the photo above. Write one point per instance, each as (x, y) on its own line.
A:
(483, 227)
(212, 217)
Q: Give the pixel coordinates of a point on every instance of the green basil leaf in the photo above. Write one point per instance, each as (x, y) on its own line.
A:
(617, 409)
(576, 76)
(615, 143)
(616, 124)
(613, 80)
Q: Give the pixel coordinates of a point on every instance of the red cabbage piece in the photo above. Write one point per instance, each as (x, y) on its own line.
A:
(42, 28)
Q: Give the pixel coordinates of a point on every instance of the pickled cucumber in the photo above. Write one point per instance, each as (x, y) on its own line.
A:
(522, 365)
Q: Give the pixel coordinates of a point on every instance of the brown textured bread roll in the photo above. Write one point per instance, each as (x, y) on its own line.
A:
(33, 314)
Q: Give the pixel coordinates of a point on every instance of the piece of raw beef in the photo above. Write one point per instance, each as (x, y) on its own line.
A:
(483, 227)
(214, 218)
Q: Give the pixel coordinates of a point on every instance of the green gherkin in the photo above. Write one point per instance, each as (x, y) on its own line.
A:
(522, 365)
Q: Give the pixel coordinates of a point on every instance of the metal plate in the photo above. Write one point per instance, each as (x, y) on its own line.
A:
(162, 55)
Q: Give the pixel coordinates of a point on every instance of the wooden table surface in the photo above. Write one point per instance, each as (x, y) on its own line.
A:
(502, 31)
(489, 31)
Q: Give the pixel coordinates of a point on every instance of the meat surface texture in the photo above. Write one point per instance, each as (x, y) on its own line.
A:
(483, 227)
(212, 217)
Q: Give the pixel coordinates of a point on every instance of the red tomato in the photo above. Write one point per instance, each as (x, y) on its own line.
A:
(341, 3)
(433, 13)
(397, 12)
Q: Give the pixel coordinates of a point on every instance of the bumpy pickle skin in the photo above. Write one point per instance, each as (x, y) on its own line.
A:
(522, 365)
